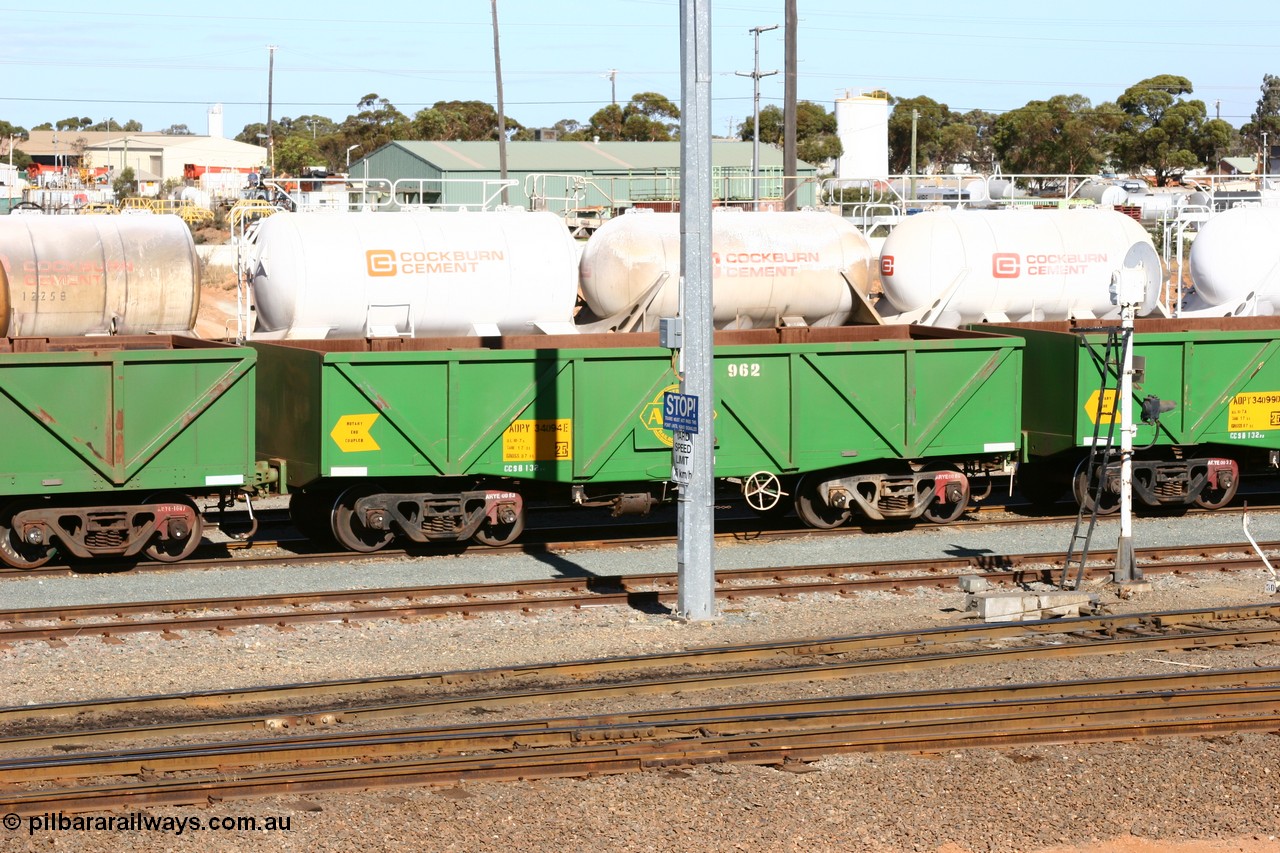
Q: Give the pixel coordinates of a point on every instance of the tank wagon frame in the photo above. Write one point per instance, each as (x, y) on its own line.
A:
(109, 439)
(1218, 378)
(449, 439)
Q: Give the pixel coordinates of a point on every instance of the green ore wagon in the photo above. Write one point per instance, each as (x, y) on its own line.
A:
(1217, 381)
(108, 439)
(448, 439)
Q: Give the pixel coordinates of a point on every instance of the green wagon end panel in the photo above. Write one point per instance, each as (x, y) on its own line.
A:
(1222, 374)
(588, 408)
(124, 413)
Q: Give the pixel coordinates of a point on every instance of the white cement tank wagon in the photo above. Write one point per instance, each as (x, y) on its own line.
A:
(765, 267)
(420, 273)
(1235, 263)
(76, 275)
(948, 268)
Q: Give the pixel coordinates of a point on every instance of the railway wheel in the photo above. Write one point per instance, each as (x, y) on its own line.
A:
(1083, 488)
(349, 529)
(175, 548)
(814, 511)
(1217, 498)
(495, 535)
(939, 510)
(15, 551)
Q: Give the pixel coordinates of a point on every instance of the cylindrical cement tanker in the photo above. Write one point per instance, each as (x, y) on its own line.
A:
(1106, 195)
(75, 275)
(949, 268)
(764, 266)
(420, 273)
(1235, 259)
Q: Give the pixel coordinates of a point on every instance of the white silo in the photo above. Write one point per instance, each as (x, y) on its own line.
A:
(215, 121)
(862, 123)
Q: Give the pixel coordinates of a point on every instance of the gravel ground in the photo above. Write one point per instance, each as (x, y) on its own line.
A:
(1202, 795)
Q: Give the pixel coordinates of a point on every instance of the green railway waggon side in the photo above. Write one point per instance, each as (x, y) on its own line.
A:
(1206, 405)
(108, 441)
(451, 439)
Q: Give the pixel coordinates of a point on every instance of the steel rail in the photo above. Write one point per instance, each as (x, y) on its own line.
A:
(558, 593)
(746, 748)
(1108, 624)
(534, 542)
(611, 689)
(847, 713)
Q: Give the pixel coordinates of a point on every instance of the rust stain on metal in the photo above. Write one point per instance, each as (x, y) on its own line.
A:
(119, 437)
(45, 416)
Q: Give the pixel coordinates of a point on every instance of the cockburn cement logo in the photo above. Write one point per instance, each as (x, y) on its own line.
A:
(886, 265)
(387, 262)
(380, 262)
(1014, 265)
(1004, 265)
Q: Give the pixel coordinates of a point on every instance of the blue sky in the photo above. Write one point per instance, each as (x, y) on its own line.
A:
(165, 63)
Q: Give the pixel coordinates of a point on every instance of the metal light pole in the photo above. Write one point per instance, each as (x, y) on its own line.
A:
(755, 127)
(502, 121)
(271, 139)
(915, 117)
(695, 540)
(350, 148)
(612, 74)
(789, 108)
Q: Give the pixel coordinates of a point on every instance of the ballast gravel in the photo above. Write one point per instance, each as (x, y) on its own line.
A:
(1183, 795)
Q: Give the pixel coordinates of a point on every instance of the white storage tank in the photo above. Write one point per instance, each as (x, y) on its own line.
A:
(419, 273)
(765, 266)
(75, 275)
(862, 125)
(1105, 195)
(1235, 262)
(949, 268)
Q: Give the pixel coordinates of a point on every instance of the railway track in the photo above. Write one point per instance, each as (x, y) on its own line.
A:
(280, 545)
(642, 591)
(1160, 630)
(762, 732)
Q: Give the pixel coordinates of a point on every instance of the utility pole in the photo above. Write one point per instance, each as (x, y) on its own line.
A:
(915, 119)
(271, 138)
(755, 127)
(612, 74)
(789, 110)
(693, 460)
(502, 120)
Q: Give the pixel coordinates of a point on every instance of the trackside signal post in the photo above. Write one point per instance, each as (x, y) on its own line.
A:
(691, 332)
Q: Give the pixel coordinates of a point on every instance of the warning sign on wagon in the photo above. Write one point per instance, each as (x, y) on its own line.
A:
(538, 441)
(351, 433)
(1254, 410)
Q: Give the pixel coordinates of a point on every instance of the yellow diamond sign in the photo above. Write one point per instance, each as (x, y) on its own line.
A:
(351, 433)
(1100, 413)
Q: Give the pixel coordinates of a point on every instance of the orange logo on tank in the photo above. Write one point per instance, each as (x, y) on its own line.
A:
(1005, 265)
(380, 262)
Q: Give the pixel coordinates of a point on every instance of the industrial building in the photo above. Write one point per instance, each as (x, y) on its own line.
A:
(566, 176)
(154, 157)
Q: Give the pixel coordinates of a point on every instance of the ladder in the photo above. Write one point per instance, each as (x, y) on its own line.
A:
(1100, 453)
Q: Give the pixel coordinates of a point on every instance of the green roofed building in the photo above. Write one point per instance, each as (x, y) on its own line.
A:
(565, 177)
